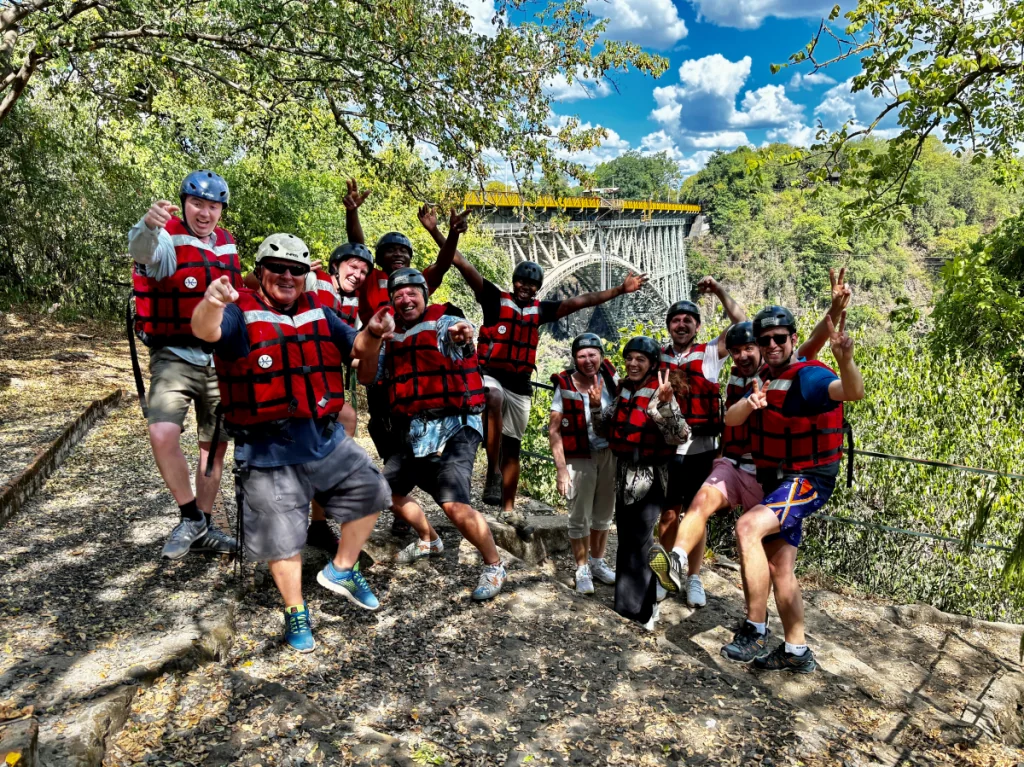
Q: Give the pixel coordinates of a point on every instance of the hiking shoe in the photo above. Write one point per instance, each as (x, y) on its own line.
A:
(185, 533)
(400, 528)
(492, 490)
(319, 535)
(780, 660)
(584, 581)
(350, 584)
(298, 632)
(491, 580)
(695, 596)
(419, 549)
(747, 644)
(668, 566)
(215, 541)
(601, 572)
(653, 620)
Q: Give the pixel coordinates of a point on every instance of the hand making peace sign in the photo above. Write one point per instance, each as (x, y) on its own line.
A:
(354, 198)
(757, 399)
(665, 390)
(594, 392)
(840, 290)
(842, 344)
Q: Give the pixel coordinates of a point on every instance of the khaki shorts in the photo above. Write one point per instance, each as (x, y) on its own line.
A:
(175, 383)
(515, 410)
(592, 493)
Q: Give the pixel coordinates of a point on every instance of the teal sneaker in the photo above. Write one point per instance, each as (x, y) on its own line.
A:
(298, 632)
(350, 584)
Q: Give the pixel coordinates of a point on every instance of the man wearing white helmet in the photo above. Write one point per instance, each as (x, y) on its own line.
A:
(280, 365)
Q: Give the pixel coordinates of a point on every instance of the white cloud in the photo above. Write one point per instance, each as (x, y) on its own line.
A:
(701, 113)
(482, 13)
(559, 89)
(796, 133)
(652, 23)
(807, 82)
(839, 105)
(660, 141)
(611, 146)
(748, 14)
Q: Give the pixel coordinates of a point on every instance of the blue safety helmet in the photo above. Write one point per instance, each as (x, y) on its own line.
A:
(206, 185)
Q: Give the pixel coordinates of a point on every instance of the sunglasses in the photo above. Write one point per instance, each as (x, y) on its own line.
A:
(295, 270)
(779, 339)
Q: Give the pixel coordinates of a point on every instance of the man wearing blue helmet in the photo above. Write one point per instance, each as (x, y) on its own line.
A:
(175, 260)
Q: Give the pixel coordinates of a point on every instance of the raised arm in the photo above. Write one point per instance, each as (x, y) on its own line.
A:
(366, 347)
(148, 242)
(631, 284)
(816, 341)
(435, 273)
(209, 313)
(352, 201)
(733, 309)
(469, 272)
(740, 412)
(850, 386)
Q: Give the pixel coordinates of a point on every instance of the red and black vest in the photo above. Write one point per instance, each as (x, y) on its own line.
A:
(426, 383)
(373, 294)
(575, 441)
(346, 307)
(736, 439)
(163, 308)
(793, 443)
(702, 407)
(510, 343)
(632, 434)
(293, 369)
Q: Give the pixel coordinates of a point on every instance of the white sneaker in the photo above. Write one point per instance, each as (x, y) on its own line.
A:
(601, 572)
(491, 580)
(655, 614)
(584, 581)
(660, 592)
(695, 596)
(413, 552)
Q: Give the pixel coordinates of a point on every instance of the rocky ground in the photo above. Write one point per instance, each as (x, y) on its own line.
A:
(131, 661)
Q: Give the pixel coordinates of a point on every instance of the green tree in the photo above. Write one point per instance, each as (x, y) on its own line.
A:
(640, 177)
(405, 71)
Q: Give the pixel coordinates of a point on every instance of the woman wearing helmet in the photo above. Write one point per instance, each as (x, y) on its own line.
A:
(643, 425)
(586, 466)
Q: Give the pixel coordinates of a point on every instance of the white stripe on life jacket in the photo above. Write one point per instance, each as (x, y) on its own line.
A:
(324, 285)
(262, 315)
(691, 357)
(741, 382)
(382, 283)
(779, 384)
(414, 330)
(177, 240)
(227, 249)
(529, 310)
(350, 301)
(569, 394)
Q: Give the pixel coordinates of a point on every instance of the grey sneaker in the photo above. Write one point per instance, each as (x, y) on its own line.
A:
(187, 532)
(668, 566)
(747, 645)
(491, 580)
(695, 596)
(584, 580)
(216, 541)
(418, 550)
(602, 572)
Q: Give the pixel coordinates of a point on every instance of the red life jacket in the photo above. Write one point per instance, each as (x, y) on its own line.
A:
(510, 343)
(575, 440)
(633, 435)
(163, 308)
(793, 443)
(736, 439)
(702, 407)
(373, 294)
(293, 369)
(422, 381)
(346, 307)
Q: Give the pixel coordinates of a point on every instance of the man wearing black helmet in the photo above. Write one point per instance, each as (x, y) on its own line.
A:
(732, 481)
(585, 464)
(508, 354)
(435, 391)
(701, 407)
(643, 425)
(175, 261)
(794, 416)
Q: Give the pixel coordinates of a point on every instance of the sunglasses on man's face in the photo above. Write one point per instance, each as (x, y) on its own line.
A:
(779, 339)
(295, 270)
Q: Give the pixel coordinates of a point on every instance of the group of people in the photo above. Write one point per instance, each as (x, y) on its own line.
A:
(265, 359)
(644, 450)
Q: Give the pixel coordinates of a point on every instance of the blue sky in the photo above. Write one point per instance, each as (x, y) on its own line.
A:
(718, 91)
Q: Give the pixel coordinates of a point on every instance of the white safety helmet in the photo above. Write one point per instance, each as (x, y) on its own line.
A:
(284, 247)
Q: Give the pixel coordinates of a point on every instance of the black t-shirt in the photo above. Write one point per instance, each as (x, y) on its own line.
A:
(489, 299)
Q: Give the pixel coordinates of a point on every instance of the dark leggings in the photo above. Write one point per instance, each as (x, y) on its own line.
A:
(380, 428)
(634, 580)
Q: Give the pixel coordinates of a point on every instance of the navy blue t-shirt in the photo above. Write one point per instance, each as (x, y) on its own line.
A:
(303, 439)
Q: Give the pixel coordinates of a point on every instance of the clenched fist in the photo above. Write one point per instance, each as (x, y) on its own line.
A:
(461, 333)
(159, 213)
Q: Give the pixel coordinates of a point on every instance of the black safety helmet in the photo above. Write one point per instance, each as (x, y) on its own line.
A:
(740, 334)
(587, 341)
(682, 307)
(528, 271)
(347, 251)
(392, 238)
(206, 185)
(401, 278)
(774, 317)
(646, 346)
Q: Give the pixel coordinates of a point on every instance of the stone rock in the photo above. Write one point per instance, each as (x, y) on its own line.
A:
(21, 740)
(83, 741)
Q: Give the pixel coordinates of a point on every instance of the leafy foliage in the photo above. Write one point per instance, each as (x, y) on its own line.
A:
(640, 177)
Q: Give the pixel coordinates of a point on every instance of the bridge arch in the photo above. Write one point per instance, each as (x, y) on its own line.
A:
(556, 275)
